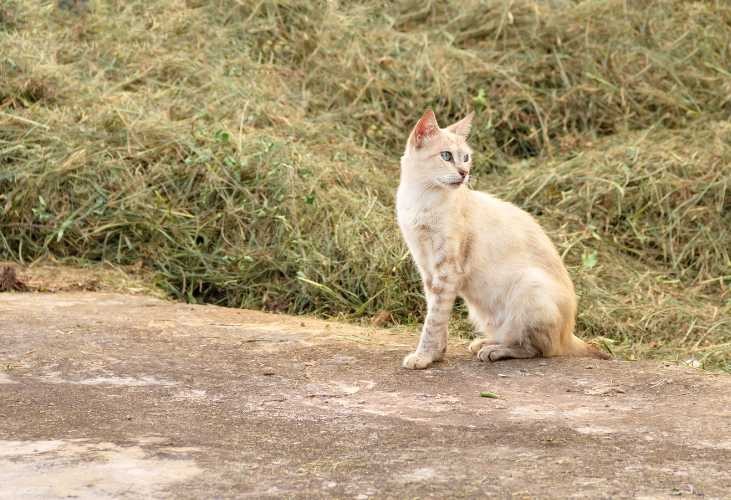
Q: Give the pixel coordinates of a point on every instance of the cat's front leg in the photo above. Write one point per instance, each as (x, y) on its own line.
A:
(441, 293)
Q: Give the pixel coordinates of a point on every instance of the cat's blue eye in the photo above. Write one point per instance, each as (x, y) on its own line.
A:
(466, 158)
(446, 155)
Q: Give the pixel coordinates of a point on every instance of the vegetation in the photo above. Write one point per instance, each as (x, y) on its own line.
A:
(246, 152)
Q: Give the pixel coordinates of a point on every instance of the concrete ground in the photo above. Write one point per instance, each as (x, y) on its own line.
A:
(105, 395)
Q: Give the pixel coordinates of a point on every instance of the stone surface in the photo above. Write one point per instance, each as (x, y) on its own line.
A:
(107, 396)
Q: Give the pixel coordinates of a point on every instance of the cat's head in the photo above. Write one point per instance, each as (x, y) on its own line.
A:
(439, 157)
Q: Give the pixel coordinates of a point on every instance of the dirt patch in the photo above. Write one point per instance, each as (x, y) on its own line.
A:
(80, 468)
(207, 401)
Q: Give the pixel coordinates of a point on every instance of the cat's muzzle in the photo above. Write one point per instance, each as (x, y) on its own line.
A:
(453, 180)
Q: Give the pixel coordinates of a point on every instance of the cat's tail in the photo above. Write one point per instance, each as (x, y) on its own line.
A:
(579, 348)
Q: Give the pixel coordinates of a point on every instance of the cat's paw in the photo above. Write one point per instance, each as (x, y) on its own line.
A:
(496, 352)
(485, 351)
(417, 361)
(477, 344)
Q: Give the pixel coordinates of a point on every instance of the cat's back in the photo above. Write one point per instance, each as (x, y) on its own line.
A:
(491, 209)
(512, 234)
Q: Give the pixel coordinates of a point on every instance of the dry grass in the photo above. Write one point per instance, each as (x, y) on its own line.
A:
(49, 276)
(247, 151)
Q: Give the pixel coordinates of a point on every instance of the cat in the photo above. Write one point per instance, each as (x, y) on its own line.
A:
(489, 252)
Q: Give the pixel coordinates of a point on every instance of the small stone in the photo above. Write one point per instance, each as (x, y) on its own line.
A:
(381, 318)
(268, 371)
(9, 280)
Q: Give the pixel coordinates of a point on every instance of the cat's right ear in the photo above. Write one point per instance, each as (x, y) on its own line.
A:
(425, 129)
(463, 126)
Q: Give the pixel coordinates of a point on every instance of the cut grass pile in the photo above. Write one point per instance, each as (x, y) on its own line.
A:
(247, 151)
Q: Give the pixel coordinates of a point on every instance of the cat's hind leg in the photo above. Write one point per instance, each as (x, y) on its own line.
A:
(477, 344)
(496, 352)
(483, 327)
(534, 323)
(520, 342)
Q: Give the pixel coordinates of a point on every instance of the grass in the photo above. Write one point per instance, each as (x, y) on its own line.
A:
(246, 152)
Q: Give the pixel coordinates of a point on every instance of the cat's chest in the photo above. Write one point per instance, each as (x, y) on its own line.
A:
(425, 218)
(424, 229)
(420, 220)
(417, 221)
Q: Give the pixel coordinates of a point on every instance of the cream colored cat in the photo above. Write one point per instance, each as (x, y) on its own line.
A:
(489, 252)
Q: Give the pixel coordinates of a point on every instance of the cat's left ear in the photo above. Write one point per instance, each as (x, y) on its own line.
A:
(463, 126)
(426, 128)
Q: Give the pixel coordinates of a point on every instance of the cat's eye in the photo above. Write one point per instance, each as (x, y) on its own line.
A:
(466, 158)
(446, 155)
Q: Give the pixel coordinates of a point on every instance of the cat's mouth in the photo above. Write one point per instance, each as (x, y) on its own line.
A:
(453, 180)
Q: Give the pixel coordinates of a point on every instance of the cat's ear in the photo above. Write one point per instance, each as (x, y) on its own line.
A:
(425, 129)
(463, 126)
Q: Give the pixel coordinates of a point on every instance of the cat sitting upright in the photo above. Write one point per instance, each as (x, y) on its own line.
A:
(489, 252)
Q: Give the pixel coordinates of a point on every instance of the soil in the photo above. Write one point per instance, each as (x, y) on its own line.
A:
(112, 395)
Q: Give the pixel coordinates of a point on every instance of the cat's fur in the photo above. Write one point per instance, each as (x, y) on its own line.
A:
(487, 251)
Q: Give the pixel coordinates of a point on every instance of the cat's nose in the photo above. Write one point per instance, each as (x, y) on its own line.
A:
(462, 173)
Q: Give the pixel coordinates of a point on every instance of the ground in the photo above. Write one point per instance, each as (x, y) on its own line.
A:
(116, 395)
